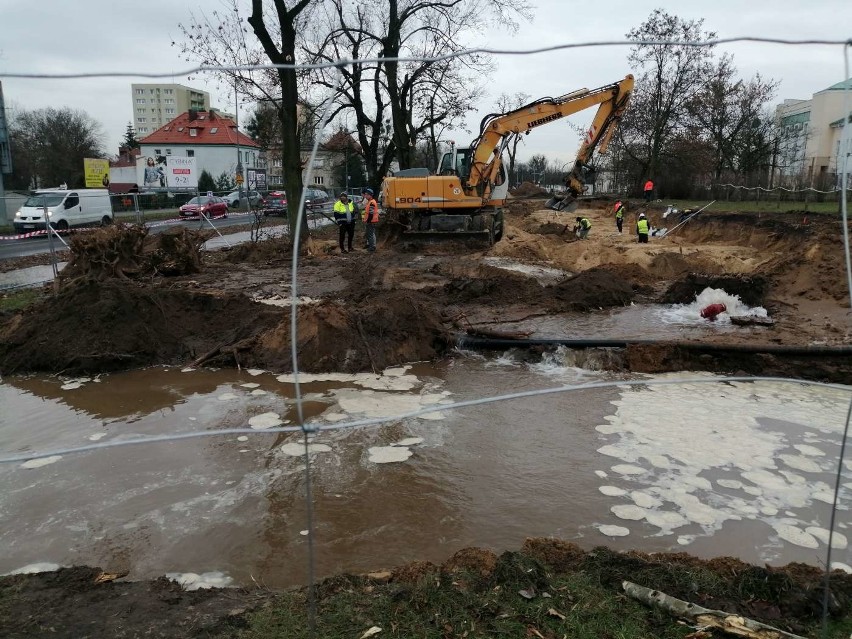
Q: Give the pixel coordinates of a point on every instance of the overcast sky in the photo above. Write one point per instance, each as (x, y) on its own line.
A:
(95, 35)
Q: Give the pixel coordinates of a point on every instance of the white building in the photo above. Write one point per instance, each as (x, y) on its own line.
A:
(212, 139)
(810, 130)
(155, 105)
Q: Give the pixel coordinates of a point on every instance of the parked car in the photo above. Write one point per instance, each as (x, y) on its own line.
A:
(318, 200)
(275, 203)
(65, 209)
(209, 206)
(233, 198)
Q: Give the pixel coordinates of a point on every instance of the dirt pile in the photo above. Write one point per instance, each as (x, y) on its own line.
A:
(129, 252)
(370, 333)
(112, 325)
(595, 288)
(751, 290)
(528, 189)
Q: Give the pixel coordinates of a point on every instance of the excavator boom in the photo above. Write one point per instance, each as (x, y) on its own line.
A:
(467, 196)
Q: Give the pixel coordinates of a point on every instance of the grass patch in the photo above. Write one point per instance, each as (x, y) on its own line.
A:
(19, 299)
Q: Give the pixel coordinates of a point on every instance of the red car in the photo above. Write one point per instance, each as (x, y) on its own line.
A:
(209, 206)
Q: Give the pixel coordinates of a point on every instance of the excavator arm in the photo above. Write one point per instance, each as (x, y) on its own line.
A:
(497, 130)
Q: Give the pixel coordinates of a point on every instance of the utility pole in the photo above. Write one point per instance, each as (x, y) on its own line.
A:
(239, 176)
(5, 155)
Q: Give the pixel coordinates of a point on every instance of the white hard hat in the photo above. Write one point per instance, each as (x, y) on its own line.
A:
(641, 215)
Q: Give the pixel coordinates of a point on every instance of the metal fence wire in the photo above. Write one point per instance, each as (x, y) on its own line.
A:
(310, 428)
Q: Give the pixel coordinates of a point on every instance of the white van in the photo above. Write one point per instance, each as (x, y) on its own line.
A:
(65, 209)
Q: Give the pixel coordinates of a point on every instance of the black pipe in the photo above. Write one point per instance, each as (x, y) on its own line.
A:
(485, 343)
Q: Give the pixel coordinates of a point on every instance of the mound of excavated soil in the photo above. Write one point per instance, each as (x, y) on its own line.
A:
(97, 327)
(750, 289)
(111, 325)
(595, 288)
(368, 334)
(528, 189)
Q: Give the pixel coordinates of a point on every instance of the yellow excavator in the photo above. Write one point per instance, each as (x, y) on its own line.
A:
(467, 195)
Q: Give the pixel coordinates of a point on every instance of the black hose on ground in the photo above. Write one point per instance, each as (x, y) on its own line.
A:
(487, 343)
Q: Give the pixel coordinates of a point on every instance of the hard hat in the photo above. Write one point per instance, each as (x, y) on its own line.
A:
(343, 195)
(641, 215)
(370, 191)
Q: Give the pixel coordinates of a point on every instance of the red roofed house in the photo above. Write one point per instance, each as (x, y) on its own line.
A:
(212, 139)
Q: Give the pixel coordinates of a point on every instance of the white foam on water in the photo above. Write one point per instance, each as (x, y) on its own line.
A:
(195, 581)
(31, 569)
(254, 372)
(242, 438)
(334, 417)
(257, 392)
(265, 420)
(396, 371)
(730, 483)
(378, 404)
(685, 540)
(801, 463)
(304, 533)
(612, 491)
(690, 314)
(408, 441)
(838, 540)
(388, 454)
(44, 461)
(721, 428)
(613, 531)
(838, 565)
(297, 449)
(72, 385)
(627, 469)
(250, 385)
(629, 511)
(796, 536)
(188, 369)
(810, 451)
(393, 382)
(96, 436)
(602, 474)
(227, 397)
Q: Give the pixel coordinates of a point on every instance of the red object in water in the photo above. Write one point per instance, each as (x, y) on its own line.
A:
(710, 312)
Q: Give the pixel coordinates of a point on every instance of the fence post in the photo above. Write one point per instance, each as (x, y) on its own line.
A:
(139, 219)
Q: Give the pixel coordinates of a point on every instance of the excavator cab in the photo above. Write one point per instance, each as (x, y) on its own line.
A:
(456, 162)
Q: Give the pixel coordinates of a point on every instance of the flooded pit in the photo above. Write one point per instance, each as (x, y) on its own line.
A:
(740, 469)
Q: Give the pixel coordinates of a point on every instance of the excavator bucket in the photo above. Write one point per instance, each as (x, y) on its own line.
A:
(564, 203)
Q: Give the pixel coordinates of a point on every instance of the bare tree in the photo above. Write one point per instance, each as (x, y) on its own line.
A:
(727, 112)
(670, 72)
(48, 146)
(276, 27)
(506, 103)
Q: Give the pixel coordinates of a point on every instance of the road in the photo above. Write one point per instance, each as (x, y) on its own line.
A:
(10, 249)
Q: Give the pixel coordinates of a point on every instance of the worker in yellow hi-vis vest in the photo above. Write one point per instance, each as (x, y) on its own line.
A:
(643, 229)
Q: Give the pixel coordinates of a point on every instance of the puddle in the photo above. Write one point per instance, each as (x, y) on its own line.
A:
(741, 469)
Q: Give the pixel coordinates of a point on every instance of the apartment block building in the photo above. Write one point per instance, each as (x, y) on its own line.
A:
(155, 105)
(810, 144)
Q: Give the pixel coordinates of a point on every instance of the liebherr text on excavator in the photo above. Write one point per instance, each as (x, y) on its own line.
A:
(467, 195)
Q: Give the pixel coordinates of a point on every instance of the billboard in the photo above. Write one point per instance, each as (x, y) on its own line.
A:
(181, 173)
(96, 172)
(256, 179)
(170, 171)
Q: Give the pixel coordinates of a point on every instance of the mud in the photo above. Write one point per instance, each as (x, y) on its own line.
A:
(72, 603)
(404, 302)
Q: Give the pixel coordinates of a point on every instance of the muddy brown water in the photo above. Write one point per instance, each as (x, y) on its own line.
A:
(721, 469)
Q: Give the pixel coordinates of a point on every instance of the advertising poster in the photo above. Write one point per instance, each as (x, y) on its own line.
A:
(96, 172)
(256, 179)
(181, 173)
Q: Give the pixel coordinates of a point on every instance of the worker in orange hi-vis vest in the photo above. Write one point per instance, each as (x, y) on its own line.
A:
(649, 190)
(371, 219)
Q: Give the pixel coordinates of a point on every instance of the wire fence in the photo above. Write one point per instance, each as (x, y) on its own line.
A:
(308, 427)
